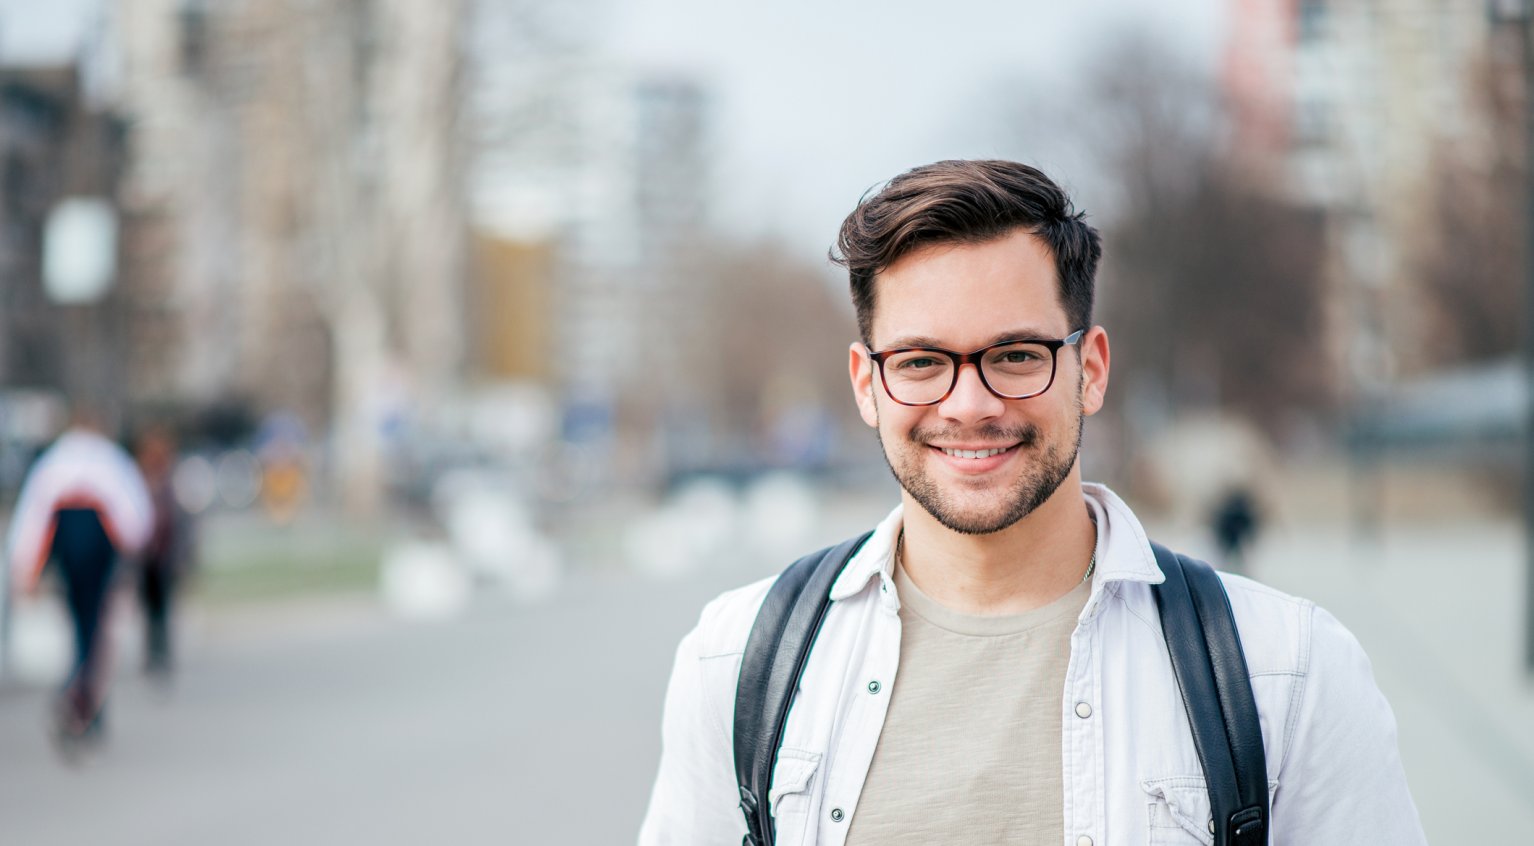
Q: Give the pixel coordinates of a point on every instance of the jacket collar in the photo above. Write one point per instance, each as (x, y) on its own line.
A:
(1123, 550)
(874, 559)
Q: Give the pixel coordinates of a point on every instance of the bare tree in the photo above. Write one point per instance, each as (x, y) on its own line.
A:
(757, 335)
(1470, 266)
(1211, 281)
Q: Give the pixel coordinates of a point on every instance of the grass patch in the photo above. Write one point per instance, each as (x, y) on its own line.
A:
(260, 563)
(281, 578)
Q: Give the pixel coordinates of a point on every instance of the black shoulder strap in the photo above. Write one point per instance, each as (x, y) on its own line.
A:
(775, 656)
(1217, 692)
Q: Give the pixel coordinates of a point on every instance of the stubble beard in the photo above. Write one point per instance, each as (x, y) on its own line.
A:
(1040, 479)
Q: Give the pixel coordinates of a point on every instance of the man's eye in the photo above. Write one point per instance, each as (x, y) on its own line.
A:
(918, 363)
(1018, 357)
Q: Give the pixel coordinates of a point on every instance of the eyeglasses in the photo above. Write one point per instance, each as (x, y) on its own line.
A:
(1016, 369)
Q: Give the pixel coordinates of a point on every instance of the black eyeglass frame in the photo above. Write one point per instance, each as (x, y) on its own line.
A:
(960, 359)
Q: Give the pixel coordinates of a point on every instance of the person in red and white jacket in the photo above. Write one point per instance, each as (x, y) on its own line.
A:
(84, 506)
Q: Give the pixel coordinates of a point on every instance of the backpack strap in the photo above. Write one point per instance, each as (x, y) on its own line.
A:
(1217, 693)
(775, 655)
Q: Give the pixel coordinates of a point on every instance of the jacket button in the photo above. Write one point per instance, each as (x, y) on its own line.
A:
(1211, 825)
(1083, 710)
(1083, 840)
(873, 687)
(836, 815)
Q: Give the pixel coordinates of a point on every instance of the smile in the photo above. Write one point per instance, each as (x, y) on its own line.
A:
(975, 453)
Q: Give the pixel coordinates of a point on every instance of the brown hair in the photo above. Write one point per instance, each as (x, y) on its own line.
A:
(967, 202)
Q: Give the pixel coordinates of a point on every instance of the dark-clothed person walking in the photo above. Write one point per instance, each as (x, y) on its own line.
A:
(84, 507)
(1235, 522)
(167, 557)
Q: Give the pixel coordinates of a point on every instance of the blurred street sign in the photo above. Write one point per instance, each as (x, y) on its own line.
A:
(80, 250)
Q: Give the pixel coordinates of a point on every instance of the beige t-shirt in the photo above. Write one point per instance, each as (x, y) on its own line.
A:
(970, 750)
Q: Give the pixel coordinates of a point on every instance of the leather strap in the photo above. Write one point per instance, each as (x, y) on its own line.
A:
(776, 652)
(1201, 636)
(1216, 690)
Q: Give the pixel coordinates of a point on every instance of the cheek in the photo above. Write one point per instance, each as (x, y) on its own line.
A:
(892, 419)
(1062, 425)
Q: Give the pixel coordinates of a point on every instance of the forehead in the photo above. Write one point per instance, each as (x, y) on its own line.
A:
(965, 295)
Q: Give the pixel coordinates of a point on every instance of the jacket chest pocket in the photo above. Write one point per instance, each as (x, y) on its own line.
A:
(1179, 811)
(792, 794)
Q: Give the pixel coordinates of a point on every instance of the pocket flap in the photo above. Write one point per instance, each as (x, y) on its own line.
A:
(1184, 804)
(792, 774)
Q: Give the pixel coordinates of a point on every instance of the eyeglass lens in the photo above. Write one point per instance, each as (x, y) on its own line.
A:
(923, 376)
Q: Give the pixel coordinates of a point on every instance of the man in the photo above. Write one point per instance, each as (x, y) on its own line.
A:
(991, 668)
(167, 556)
(83, 506)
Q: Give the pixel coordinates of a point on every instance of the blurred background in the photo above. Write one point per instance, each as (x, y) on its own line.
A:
(496, 336)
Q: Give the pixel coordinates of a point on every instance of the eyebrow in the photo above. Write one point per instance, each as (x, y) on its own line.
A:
(1010, 335)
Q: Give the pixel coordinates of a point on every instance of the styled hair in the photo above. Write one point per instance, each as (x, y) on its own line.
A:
(967, 202)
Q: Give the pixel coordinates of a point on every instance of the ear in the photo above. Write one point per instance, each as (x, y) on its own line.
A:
(1094, 369)
(861, 368)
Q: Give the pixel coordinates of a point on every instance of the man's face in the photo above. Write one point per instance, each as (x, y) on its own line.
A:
(964, 297)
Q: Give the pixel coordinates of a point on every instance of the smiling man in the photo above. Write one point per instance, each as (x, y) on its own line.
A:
(989, 668)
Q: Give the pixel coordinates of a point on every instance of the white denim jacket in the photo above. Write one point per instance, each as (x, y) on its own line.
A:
(1132, 775)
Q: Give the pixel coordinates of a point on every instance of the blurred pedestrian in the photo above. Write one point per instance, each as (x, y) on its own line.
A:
(83, 507)
(1234, 522)
(168, 556)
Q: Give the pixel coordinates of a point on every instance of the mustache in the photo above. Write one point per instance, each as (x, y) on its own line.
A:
(1025, 435)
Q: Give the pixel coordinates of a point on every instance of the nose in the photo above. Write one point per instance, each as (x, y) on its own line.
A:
(971, 401)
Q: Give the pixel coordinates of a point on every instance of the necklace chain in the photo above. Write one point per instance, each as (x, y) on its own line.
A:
(900, 550)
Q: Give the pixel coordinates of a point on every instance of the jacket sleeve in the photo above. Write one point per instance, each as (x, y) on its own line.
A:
(695, 799)
(130, 507)
(31, 528)
(1341, 780)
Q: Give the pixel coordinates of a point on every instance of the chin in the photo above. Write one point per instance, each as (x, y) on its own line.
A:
(976, 524)
(976, 507)
(986, 503)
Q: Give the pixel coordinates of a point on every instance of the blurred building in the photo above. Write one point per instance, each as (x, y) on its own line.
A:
(295, 177)
(608, 167)
(511, 331)
(1256, 71)
(1359, 96)
(56, 145)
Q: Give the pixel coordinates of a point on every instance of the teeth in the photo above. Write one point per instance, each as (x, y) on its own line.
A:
(975, 453)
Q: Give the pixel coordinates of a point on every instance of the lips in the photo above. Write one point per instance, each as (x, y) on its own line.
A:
(975, 461)
(981, 452)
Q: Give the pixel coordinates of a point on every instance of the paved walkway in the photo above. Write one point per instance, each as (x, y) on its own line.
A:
(330, 722)
(509, 725)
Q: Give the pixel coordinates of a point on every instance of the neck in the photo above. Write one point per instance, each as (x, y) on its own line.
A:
(1029, 564)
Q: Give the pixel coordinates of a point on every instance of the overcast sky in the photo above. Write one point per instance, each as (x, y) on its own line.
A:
(42, 30)
(816, 100)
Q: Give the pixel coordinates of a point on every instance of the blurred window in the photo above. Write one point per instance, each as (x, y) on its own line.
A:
(193, 19)
(1312, 120)
(16, 176)
(1312, 15)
